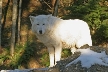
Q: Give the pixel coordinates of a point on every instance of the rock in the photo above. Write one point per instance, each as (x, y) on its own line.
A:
(16, 70)
(52, 69)
(39, 70)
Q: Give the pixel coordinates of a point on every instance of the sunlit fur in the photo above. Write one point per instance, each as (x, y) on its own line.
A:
(57, 33)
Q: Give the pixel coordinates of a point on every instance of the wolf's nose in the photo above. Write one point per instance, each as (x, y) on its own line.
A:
(40, 31)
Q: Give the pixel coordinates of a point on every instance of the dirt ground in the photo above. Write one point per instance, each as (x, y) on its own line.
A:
(60, 67)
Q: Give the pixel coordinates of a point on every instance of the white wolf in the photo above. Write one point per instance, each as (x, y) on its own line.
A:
(56, 33)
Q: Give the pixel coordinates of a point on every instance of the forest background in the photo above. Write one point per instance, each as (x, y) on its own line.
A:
(19, 47)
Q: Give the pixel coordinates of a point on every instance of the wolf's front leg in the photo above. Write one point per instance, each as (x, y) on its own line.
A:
(58, 50)
(51, 55)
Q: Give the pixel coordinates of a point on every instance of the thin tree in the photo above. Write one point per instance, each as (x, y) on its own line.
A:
(0, 23)
(55, 12)
(19, 20)
(14, 18)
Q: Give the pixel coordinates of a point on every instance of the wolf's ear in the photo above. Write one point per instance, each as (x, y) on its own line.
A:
(32, 18)
(49, 16)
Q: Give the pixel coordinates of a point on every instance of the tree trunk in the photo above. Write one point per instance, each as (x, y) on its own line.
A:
(0, 23)
(56, 8)
(14, 18)
(52, 3)
(19, 20)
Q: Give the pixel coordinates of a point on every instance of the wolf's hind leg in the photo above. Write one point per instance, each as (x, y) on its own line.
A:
(73, 50)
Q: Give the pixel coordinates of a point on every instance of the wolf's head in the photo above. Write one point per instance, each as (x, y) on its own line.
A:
(40, 23)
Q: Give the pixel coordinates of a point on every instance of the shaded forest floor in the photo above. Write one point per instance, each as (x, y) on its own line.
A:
(30, 55)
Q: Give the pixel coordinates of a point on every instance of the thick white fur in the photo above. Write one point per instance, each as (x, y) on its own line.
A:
(57, 33)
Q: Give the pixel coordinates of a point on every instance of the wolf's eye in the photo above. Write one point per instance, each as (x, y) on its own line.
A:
(43, 24)
(37, 24)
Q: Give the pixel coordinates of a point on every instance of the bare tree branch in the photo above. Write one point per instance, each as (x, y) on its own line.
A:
(47, 4)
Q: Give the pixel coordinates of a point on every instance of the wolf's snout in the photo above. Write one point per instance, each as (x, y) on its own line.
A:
(40, 31)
